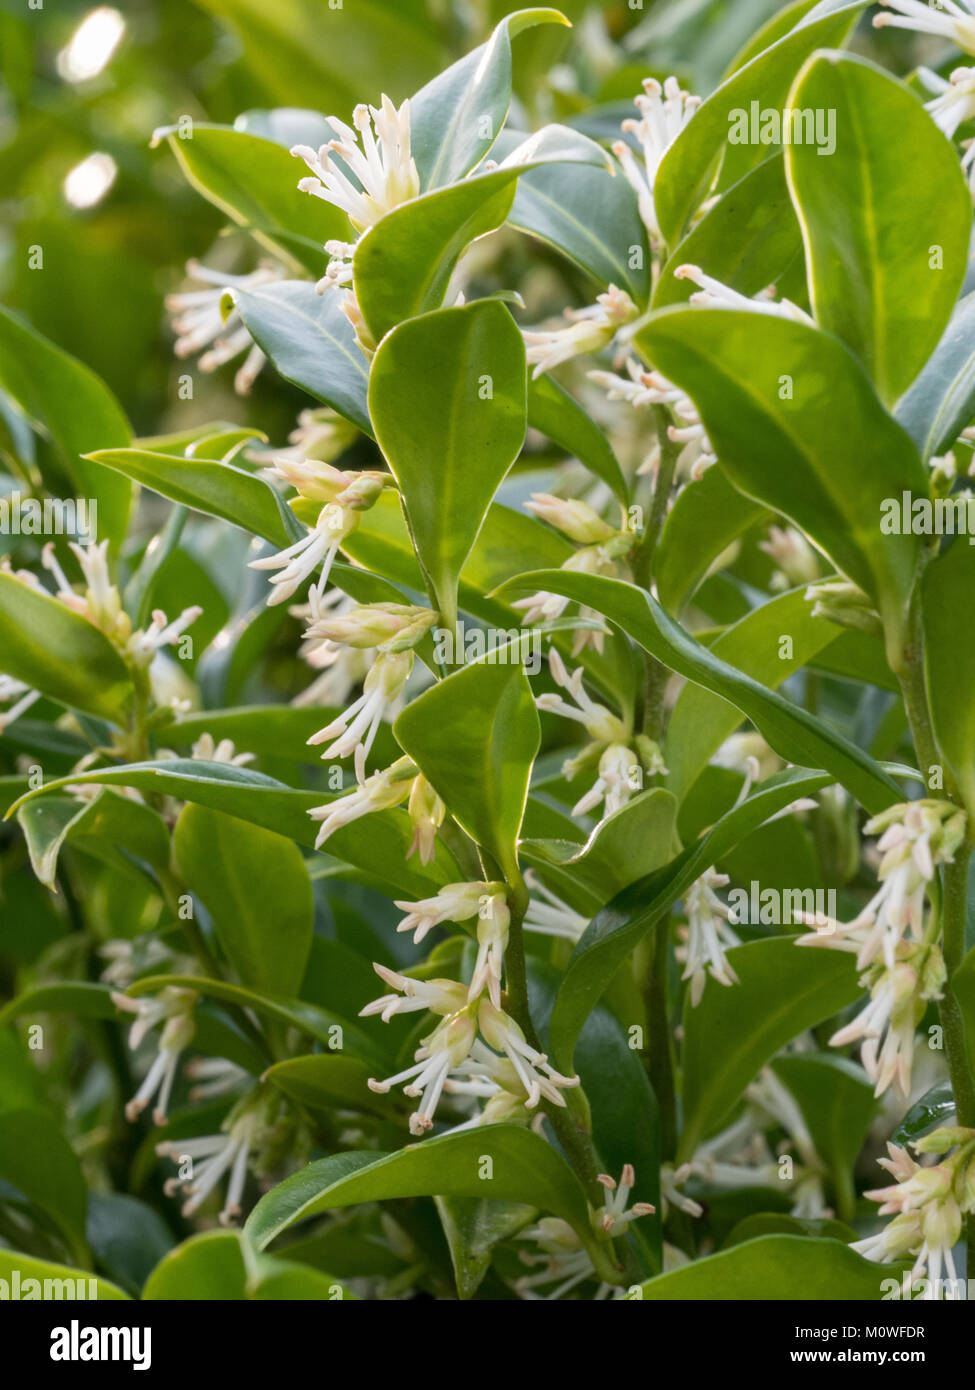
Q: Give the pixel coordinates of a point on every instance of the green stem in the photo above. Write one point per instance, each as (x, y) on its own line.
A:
(660, 1060)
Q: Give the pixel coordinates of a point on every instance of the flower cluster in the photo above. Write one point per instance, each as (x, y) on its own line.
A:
(476, 1049)
(895, 948)
(927, 1204)
(200, 321)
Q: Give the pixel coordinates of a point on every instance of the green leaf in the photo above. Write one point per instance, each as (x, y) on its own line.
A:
(266, 936)
(448, 117)
(868, 248)
(311, 343)
(795, 734)
(934, 1110)
(706, 517)
(473, 1226)
(404, 262)
(827, 458)
(622, 924)
(524, 1168)
(219, 1265)
(447, 394)
(949, 653)
(591, 216)
(58, 652)
(376, 844)
(553, 411)
(331, 59)
(962, 986)
(82, 998)
(837, 1103)
(14, 1266)
(127, 1236)
(701, 721)
(36, 1159)
(323, 1025)
(77, 410)
(749, 240)
(775, 1268)
(209, 486)
(112, 827)
(783, 989)
(323, 1081)
(474, 737)
(942, 400)
(686, 169)
(255, 182)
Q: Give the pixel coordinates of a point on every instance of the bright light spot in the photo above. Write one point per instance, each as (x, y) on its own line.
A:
(91, 45)
(89, 181)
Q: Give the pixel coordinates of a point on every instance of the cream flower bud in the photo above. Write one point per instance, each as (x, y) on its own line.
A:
(427, 813)
(575, 519)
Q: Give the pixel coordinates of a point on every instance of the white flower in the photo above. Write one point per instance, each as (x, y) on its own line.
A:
(643, 388)
(928, 1220)
(613, 1217)
(887, 1022)
(492, 938)
(793, 554)
(544, 607)
(954, 103)
(445, 1049)
(599, 723)
(715, 295)
(708, 935)
(456, 902)
(206, 750)
(664, 112)
(377, 156)
(575, 519)
(503, 1034)
(379, 792)
(212, 1157)
(589, 330)
(127, 958)
(215, 1076)
(319, 435)
(438, 996)
(950, 19)
(355, 730)
(199, 321)
(426, 811)
(319, 546)
(548, 914)
(620, 775)
(21, 695)
(173, 1008)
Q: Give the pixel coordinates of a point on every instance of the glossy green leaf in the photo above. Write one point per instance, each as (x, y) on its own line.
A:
(456, 118)
(266, 936)
(701, 720)
(218, 1265)
(447, 394)
(524, 1169)
(311, 343)
(749, 240)
(686, 169)
(404, 262)
(37, 1159)
(111, 826)
(58, 652)
(782, 989)
(75, 407)
(218, 489)
(255, 182)
(941, 401)
(868, 248)
(377, 844)
(16, 1269)
(949, 653)
(707, 516)
(794, 733)
(934, 1110)
(827, 458)
(336, 1033)
(775, 1268)
(82, 998)
(472, 1227)
(622, 924)
(326, 1081)
(553, 411)
(837, 1103)
(474, 737)
(127, 1237)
